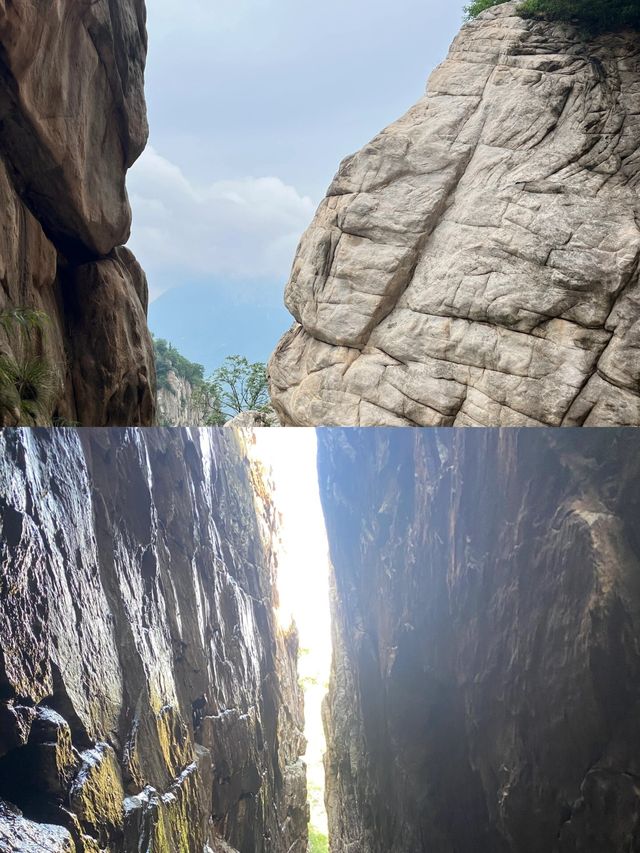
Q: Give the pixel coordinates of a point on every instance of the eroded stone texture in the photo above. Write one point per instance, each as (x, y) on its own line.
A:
(72, 121)
(148, 700)
(485, 692)
(477, 263)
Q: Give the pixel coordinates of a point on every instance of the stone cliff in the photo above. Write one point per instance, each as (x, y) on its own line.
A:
(148, 701)
(175, 403)
(72, 121)
(478, 262)
(485, 693)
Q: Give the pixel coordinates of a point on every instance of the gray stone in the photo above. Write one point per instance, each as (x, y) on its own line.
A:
(477, 262)
(176, 404)
(137, 613)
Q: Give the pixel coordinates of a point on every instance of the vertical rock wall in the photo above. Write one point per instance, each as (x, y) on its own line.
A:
(485, 693)
(148, 700)
(477, 263)
(177, 405)
(72, 121)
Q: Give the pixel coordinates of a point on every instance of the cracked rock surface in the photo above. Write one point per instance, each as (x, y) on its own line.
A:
(477, 263)
(72, 121)
(148, 699)
(485, 688)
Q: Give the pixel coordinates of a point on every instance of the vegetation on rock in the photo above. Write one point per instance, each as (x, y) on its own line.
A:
(236, 386)
(168, 359)
(28, 384)
(599, 15)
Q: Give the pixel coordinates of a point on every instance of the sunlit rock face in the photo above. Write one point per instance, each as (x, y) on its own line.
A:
(477, 262)
(485, 693)
(148, 701)
(176, 403)
(72, 121)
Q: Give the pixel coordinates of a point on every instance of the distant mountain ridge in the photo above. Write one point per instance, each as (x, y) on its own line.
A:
(206, 323)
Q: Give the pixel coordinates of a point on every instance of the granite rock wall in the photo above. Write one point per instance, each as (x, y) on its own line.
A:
(72, 121)
(477, 263)
(485, 692)
(148, 699)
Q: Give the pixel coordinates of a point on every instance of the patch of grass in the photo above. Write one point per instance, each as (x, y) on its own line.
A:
(28, 388)
(25, 319)
(28, 385)
(318, 842)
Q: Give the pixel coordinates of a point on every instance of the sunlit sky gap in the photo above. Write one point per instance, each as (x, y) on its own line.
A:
(303, 580)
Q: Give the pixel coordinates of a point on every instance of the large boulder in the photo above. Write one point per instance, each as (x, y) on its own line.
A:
(477, 262)
(72, 121)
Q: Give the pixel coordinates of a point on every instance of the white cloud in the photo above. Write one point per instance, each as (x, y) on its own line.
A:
(238, 230)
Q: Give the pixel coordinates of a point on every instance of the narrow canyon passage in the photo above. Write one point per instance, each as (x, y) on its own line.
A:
(303, 590)
(484, 690)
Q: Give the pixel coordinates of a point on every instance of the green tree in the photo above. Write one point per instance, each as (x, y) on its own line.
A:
(236, 386)
(595, 15)
(169, 359)
(206, 397)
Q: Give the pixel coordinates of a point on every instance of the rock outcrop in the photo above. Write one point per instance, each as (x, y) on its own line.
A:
(254, 418)
(72, 121)
(148, 700)
(478, 262)
(175, 403)
(485, 693)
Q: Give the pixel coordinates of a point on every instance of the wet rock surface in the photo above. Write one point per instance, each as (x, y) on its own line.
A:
(485, 692)
(148, 700)
(72, 121)
(477, 262)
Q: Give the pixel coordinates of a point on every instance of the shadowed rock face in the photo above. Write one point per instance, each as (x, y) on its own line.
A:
(72, 121)
(485, 693)
(477, 262)
(147, 699)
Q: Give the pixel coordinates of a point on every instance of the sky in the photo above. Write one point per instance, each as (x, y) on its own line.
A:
(252, 106)
(303, 580)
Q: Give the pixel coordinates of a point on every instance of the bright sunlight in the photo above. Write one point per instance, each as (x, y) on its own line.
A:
(303, 585)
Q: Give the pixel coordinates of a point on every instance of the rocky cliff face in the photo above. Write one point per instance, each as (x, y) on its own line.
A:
(175, 403)
(485, 693)
(72, 121)
(148, 702)
(478, 261)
